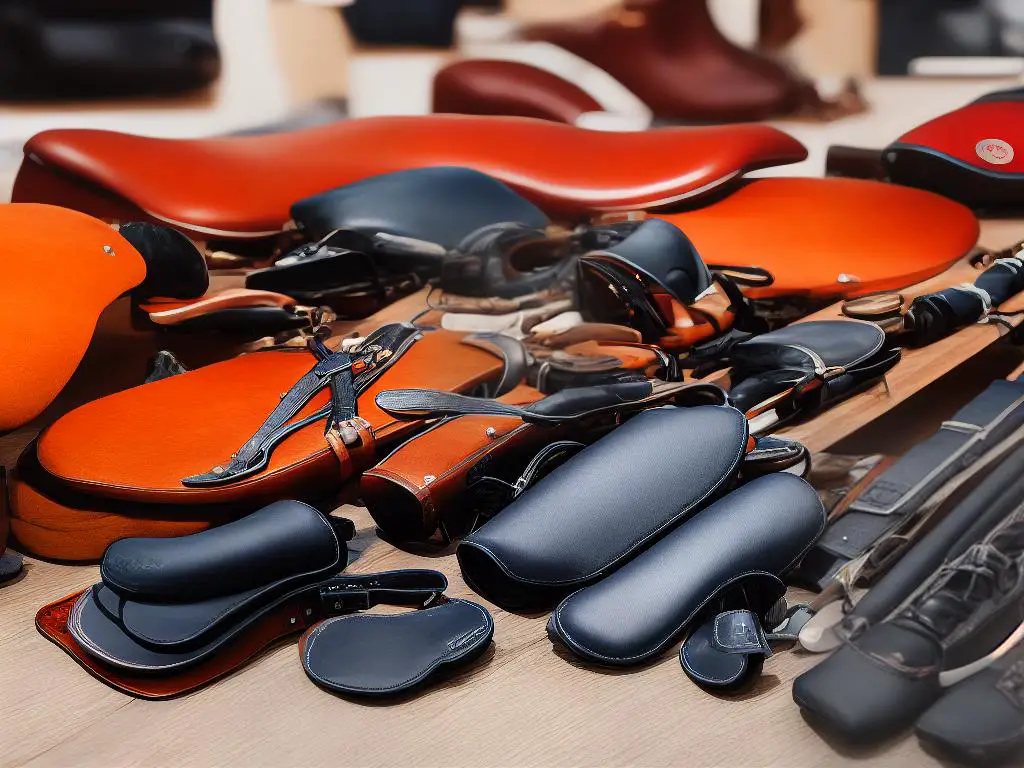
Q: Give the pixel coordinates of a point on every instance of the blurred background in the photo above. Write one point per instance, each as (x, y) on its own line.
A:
(213, 67)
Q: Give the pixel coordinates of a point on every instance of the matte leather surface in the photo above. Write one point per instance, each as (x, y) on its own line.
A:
(841, 343)
(281, 541)
(638, 611)
(37, 359)
(640, 481)
(107, 447)
(417, 203)
(219, 185)
(380, 655)
(848, 237)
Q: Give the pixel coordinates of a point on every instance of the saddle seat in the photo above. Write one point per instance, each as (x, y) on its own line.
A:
(242, 187)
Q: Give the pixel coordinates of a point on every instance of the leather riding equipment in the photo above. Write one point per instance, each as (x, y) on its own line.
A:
(217, 187)
(99, 469)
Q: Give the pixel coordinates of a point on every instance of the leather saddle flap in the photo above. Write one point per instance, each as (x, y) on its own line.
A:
(811, 346)
(640, 481)
(417, 204)
(635, 613)
(285, 541)
(386, 654)
(108, 448)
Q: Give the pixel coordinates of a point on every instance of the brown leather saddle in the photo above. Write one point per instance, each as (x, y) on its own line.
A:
(200, 448)
(243, 187)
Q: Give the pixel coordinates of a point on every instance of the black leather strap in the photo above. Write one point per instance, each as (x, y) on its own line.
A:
(347, 375)
(892, 501)
(359, 592)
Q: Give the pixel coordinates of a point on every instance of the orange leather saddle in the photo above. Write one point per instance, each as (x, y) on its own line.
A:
(243, 187)
(205, 446)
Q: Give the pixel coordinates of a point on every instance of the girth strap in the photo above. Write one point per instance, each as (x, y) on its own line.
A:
(347, 375)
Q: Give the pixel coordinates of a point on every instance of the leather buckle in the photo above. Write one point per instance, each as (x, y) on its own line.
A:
(344, 599)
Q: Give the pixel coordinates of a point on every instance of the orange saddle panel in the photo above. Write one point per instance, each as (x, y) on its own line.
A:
(59, 270)
(138, 444)
(830, 238)
(244, 186)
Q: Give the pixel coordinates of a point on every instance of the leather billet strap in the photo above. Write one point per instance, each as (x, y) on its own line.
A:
(347, 375)
(358, 592)
(893, 500)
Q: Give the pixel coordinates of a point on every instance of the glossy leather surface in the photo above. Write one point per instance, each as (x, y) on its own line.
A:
(554, 538)
(839, 343)
(640, 609)
(847, 238)
(107, 448)
(381, 655)
(418, 204)
(492, 87)
(37, 239)
(219, 186)
(278, 542)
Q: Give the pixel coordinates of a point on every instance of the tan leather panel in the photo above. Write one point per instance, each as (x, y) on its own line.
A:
(53, 259)
(831, 237)
(245, 185)
(139, 443)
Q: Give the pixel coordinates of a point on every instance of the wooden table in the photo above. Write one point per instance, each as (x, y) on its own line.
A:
(524, 703)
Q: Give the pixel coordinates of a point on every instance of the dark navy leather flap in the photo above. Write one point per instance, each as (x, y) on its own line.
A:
(379, 655)
(284, 542)
(438, 205)
(836, 343)
(605, 504)
(641, 609)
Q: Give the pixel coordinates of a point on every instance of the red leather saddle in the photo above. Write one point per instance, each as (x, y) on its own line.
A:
(181, 454)
(243, 187)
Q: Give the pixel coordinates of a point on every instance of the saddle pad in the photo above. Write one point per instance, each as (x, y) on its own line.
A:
(382, 655)
(244, 186)
(108, 448)
(830, 238)
(52, 254)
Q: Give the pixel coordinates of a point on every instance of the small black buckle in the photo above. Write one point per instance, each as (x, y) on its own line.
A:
(345, 598)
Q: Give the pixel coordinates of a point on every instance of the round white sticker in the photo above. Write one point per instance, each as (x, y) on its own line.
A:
(995, 151)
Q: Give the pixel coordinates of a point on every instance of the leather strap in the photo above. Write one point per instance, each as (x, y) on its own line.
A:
(894, 499)
(359, 592)
(347, 375)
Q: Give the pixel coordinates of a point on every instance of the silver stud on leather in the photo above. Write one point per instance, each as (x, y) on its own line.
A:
(491, 432)
(428, 479)
(108, 250)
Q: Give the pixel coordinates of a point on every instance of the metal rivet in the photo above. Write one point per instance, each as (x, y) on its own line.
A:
(845, 278)
(108, 250)
(427, 479)
(846, 538)
(491, 432)
(292, 621)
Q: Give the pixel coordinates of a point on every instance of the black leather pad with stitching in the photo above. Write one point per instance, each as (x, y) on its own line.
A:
(635, 613)
(439, 205)
(283, 542)
(604, 505)
(385, 654)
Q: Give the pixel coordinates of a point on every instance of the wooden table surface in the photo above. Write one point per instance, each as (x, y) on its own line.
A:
(524, 703)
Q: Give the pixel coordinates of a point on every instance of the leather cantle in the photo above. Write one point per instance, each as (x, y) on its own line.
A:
(569, 530)
(974, 154)
(826, 238)
(220, 186)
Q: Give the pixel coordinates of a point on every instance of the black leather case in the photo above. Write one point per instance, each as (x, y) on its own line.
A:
(761, 528)
(417, 204)
(604, 505)
(387, 654)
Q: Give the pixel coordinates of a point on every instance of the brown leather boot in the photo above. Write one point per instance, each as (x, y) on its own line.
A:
(670, 54)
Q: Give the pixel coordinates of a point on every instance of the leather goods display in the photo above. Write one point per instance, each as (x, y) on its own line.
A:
(670, 54)
(479, 457)
(688, 579)
(798, 370)
(964, 618)
(890, 507)
(102, 264)
(981, 720)
(384, 655)
(94, 52)
(935, 316)
(217, 187)
(850, 238)
(554, 539)
(234, 435)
